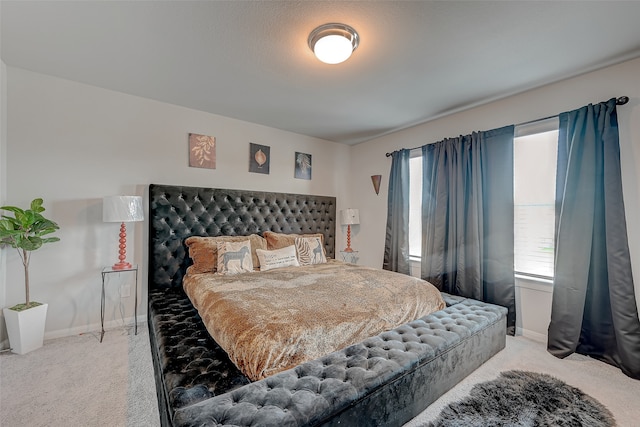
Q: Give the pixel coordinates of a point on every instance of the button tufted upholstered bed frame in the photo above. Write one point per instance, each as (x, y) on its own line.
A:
(384, 380)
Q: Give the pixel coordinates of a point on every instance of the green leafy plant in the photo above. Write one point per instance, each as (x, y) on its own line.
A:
(24, 232)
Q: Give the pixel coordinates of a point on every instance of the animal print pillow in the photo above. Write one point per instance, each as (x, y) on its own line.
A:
(203, 250)
(280, 240)
(278, 258)
(310, 251)
(234, 257)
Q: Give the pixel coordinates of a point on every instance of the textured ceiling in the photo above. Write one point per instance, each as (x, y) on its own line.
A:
(250, 60)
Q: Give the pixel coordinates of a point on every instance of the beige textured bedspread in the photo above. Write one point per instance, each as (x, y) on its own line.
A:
(271, 321)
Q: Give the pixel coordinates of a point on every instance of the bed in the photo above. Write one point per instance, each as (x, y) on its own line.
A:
(385, 379)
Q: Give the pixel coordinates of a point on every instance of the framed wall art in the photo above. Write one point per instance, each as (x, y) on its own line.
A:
(259, 158)
(302, 168)
(202, 151)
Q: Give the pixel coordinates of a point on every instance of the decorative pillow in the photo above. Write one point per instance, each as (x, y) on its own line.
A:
(281, 240)
(310, 251)
(234, 257)
(204, 251)
(278, 258)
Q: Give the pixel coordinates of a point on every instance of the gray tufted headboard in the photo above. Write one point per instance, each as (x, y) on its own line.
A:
(177, 212)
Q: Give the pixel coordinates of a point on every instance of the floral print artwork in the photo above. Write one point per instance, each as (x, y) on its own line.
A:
(202, 151)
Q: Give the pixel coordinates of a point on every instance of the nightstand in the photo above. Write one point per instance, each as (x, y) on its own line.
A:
(350, 256)
(110, 270)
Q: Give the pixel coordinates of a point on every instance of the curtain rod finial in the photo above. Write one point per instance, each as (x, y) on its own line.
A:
(622, 100)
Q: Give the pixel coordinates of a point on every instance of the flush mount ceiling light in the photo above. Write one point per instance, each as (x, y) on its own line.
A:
(333, 43)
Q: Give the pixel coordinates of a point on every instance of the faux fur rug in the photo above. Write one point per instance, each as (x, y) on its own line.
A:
(520, 398)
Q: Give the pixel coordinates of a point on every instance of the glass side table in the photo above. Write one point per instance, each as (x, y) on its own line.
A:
(350, 256)
(110, 270)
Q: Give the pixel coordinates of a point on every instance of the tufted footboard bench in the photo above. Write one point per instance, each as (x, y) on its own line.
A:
(385, 380)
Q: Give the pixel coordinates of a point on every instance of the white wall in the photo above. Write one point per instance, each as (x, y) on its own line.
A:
(533, 308)
(72, 144)
(84, 143)
(3, 181)
(623, 79)
(3, 188)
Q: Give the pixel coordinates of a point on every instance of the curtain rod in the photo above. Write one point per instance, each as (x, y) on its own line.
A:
(619, 101)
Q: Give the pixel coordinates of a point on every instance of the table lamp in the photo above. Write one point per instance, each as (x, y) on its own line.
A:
(349, 217)
(122, 209)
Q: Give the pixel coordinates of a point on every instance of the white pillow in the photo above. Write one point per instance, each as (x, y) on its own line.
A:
(310, 251)
(278, 258)
(234, 257)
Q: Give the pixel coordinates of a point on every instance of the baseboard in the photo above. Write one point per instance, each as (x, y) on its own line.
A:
(112, 324)
(532, 335)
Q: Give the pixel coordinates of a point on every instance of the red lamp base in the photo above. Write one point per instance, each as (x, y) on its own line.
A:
(122, 252)
(348, 248)
(121, 266)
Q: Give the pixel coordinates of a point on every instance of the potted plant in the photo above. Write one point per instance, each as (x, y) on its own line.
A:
(25, 232)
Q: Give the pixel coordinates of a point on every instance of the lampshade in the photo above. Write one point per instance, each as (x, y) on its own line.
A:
(333, 43)
(349, 217)
(122, 209)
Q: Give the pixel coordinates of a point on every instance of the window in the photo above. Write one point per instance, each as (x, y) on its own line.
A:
(535, 152)
(415, 204)
(534, 201)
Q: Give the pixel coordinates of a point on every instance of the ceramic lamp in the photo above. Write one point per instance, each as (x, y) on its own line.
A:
(349, 217)
(122, 209)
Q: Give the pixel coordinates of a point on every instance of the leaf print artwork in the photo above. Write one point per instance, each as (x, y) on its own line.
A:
(259, 158)
(202, 151)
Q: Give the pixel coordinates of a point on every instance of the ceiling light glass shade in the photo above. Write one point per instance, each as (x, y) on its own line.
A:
(333, 43)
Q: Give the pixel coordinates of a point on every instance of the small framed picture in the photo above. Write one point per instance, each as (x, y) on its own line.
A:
(202, 151)
(302, 168)
(259, 158)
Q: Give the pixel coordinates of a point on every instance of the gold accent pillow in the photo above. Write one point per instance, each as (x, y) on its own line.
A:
(281, 240)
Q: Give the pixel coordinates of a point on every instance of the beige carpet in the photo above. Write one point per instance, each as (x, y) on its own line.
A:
(76, 381)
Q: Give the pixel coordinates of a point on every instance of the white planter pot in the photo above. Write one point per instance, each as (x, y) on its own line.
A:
(25, 328)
